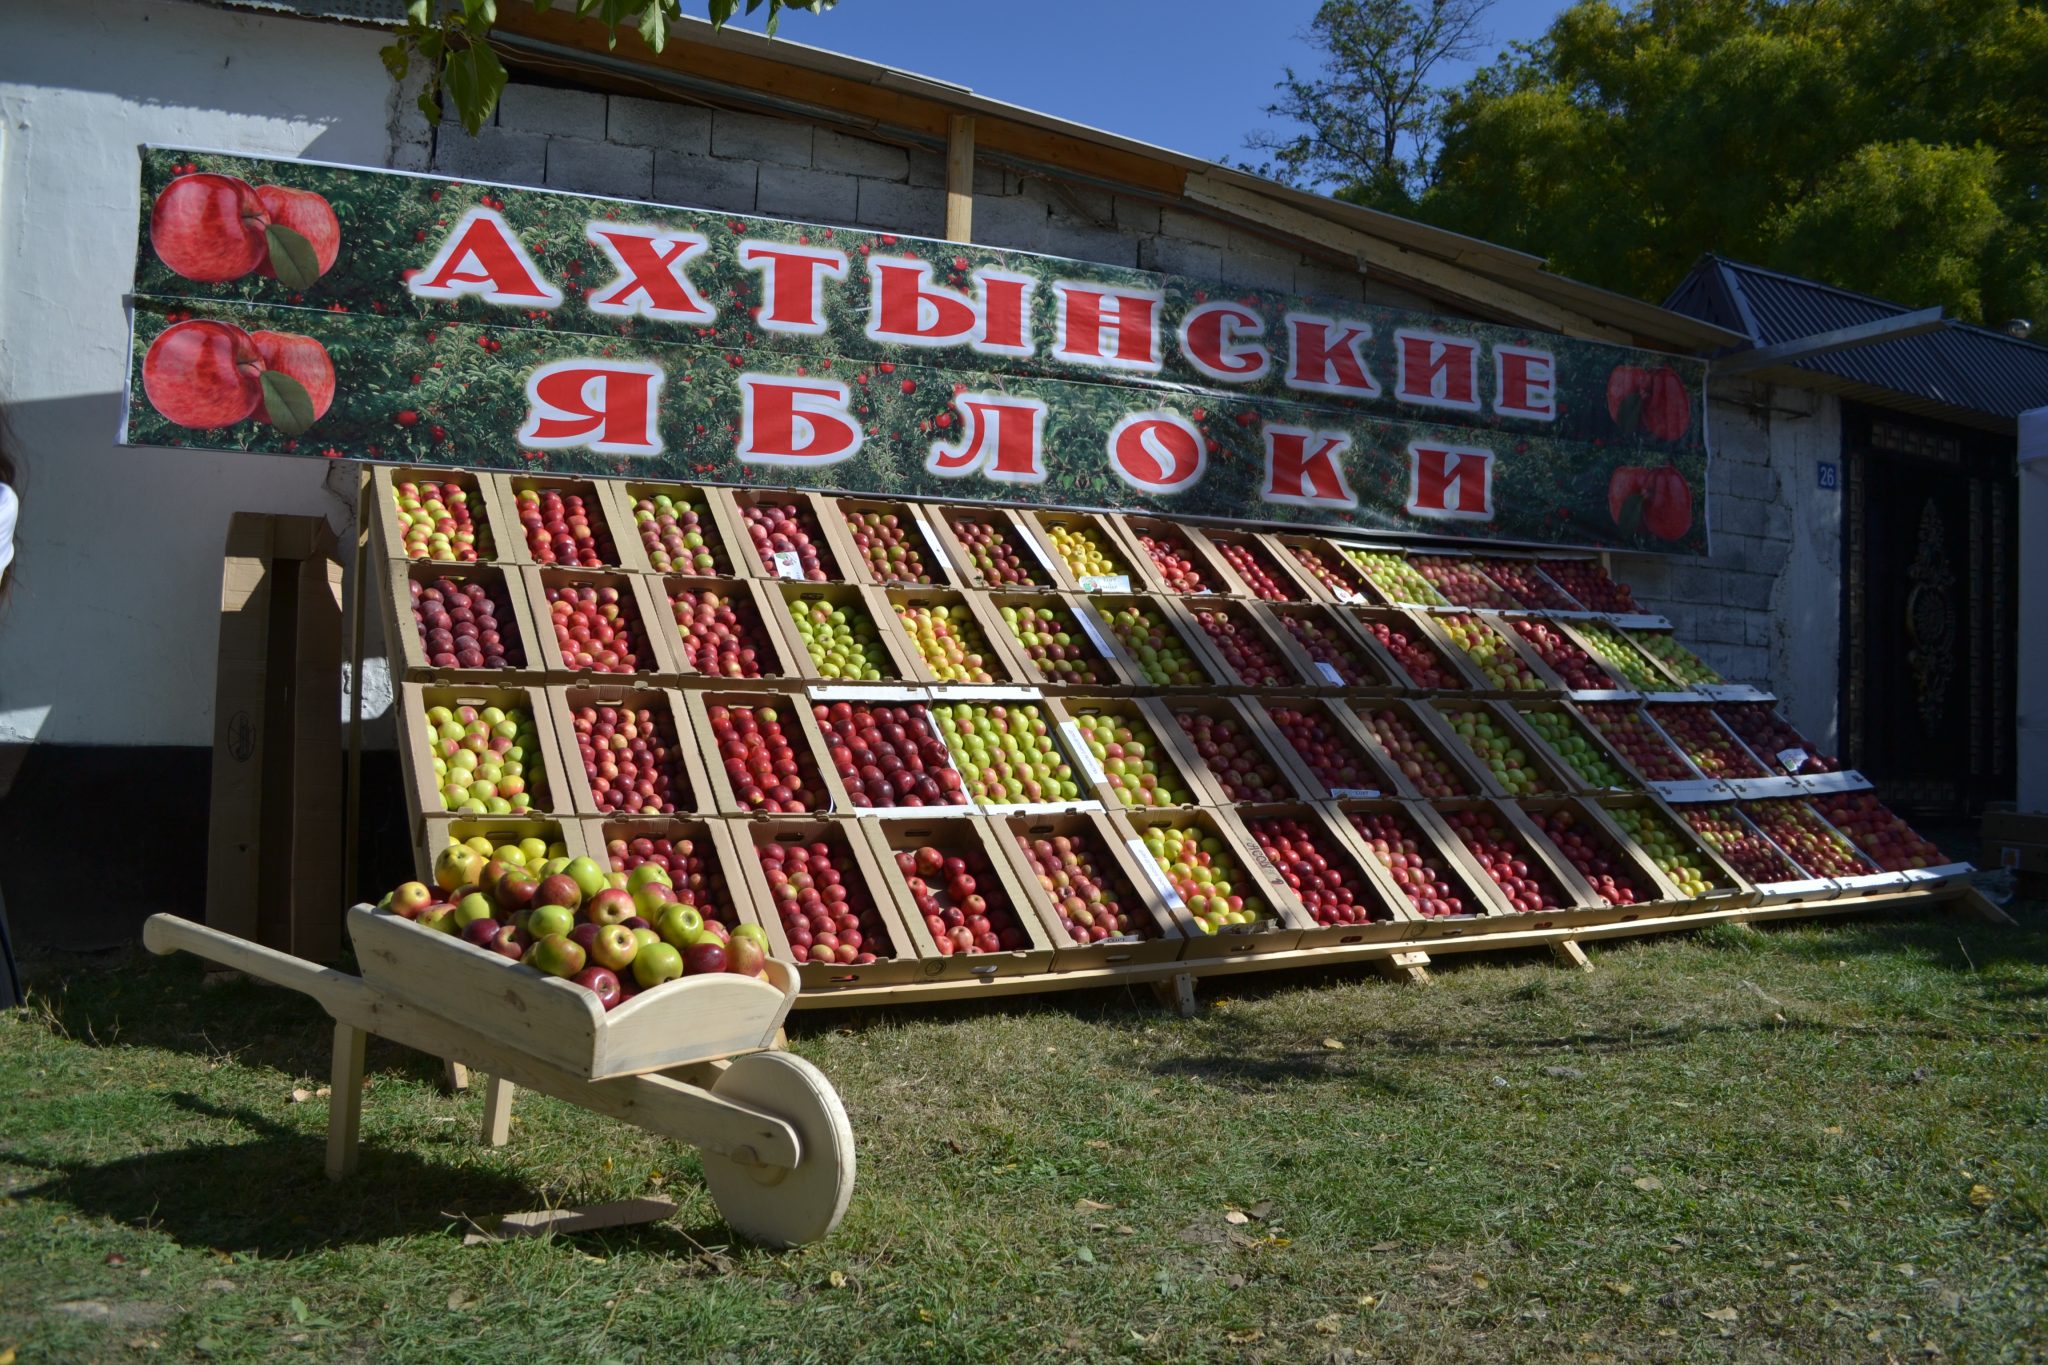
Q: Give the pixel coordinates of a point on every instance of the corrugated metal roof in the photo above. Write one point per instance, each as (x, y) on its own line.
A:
(1960, 366)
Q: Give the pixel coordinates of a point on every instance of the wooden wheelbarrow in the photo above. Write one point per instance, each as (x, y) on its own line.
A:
(694, 1060)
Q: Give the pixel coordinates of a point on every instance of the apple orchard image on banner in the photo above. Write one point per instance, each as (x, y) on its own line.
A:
(294, 308)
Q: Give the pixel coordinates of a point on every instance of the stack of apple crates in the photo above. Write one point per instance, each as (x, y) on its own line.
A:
(1370, 641)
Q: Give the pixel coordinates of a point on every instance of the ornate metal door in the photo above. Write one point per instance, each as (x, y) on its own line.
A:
(1929, 611)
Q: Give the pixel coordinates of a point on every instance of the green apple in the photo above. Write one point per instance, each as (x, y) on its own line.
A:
(458, 865)
(656, 963)
(476, 905)
(554, 867)
(587, 874)
(645, 873)
(544, 920)
(650, 897)
(439, 918)
(678, 923)
(535, 851)
(556, 955)
(480, 842)
(643, 937)
(754, 932)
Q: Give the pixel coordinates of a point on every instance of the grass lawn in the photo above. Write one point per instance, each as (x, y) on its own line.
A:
(1823, 1142)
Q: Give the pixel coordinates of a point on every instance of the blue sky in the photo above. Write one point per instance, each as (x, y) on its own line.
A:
(1208, 74)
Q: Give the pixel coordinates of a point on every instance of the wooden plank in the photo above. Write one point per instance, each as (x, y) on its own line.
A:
(454, 1077)
(345, 1101)
(498, 1111)
(960, 178)
(1177, 993)
(1411, 967)
(359, 600)
(1975, 902)
(1571, 954)
(563, 1222)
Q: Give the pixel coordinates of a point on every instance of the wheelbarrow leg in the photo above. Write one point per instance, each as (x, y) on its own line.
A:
(498, 1111)
(345, 1100)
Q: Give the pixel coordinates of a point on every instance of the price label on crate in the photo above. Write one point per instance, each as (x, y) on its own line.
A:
(787, 564)
(931, 540)
(1793, 759)
(1350, 793)
(1105, 582)
(1038, 553)
(1352, 598)
(1155, 874)
(1083, 755)
(1086, 618)
(1329, 673)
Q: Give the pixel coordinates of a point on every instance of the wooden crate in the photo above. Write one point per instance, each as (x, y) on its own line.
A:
(506, 587)
(796, 712)
(827, 534)
(859, 696)
(1577, 902)
(1612, 686)
(1162, 935)
(853, 856)
(480, 493)
(1340, 724)
(652, 623)
(1577, 727)
(787, 599)
(436, 832)
(968, 617)
(1293, 583)
(725, 895)
(1112, 672)
(1247, 620)
(1794, 889)
(960, 838)
(1591, 712)
(1369, 561)
(1660, 896)
(556, 798)
(1390, 916)
(1335, 659)
(1192, 639)
(1726, 887)
(1453, 670)
(1556, 778)
(1167, 746)
(1424, 728)
(1330, 573)
(1124, 576)
(1447, 862)
(617, 542)
(1279, 932)
(754, 604)
(1033, 555)
(1515, 645)
(1007, 697)
(918, 531)
(715, 518)
(1176, 536)
(686, 763)
(1256, 730)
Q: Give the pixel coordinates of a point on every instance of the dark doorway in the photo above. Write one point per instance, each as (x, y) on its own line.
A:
(1929, 611)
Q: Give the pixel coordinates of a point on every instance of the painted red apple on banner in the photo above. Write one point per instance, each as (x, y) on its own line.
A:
(215, 228)
(1654, 499)
(1649, 400)
(205, 374)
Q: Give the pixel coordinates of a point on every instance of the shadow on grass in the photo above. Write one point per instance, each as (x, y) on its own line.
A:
(269, 1197)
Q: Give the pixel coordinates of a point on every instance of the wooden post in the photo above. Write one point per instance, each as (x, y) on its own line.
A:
(352, 814)
(345, 1100)
(1412, 968)
(960, 178)
(1975, 902)
(1570, 954)
(1177, 993)
(498, 1111)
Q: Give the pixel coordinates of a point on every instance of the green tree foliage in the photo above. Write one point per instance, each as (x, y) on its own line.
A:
(1894, 146)
(452, 41)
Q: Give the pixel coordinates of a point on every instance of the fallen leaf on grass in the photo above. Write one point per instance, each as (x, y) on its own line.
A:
(1720, 1314)
(7, 1356)
(1092, 1206)
(1244, 1338)
(1334, 1044)
(1235, 1218)
(1981, 1196)
(300, 1096)
(1097, 1143)
(1621, 1287)
(1384, 1246)
(837, 1279)
(1648, 1182)
(461, 1299)
(1833, 1130)
(1330, 1325)
(1084, 1255)
(1480, 1280)
(1261, 1210)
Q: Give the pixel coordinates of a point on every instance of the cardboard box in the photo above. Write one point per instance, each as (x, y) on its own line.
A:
(971, 625)
(1603, 717)
(1244, 723)
(1032, 556)
(1388, 914)
(1214, 577)
(725, 895)
(478, 493)
(1385, 569)
(1160, 935)
(900, 657)
(1108, 671)
(1573, 897)
(898, 960)
(1164, 616)
(1575, 730)
(1458, 579)
(1726, 888)
(650, 623)
(1336, 661)
(1280, 931)
(715, 523)
(945, 702)
(1794, 886)
(861, 701)
(755, 608)
(1446, 863)
(1231, 548)
(1150, 724)
(1512, 646)
(793, 712)
(911, 519)
(974, 839)
(506, 589)
(689, 783)
(618, 544)
(2020, 842)
(554, 797)
(827, 533)
(1552, 777)
(1340, 725)
(1420, 729)
(1521, 577)
(273, 858)
(1441, 668)
(1611, 649)
(1656, 896)
(436, 832)
(1329, 573)
(1866, 877)
(1124, 576)
(1554, 649)
(1219, 618)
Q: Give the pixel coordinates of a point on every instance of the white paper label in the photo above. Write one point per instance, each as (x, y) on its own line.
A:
(1348, 793)
(1329, 672)
(1351, 598)
(1108, 582)
(1793, 759)
(1086, 619)
(931, 540)
(1037, 551)
(1083, 755)
(1155, 875)
(788, 565)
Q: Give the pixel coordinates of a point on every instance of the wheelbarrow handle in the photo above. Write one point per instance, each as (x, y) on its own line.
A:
(171, 934)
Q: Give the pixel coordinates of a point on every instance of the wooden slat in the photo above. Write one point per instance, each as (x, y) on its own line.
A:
(960, 178)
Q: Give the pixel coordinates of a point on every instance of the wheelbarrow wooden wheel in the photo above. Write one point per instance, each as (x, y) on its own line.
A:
(774, 1205)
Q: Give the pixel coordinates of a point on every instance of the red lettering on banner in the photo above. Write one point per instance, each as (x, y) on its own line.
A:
(1437, 371)
(1212, 337)
(1325, 355)
(1157, 452)
(1001, 438)
(1005, 313)
(482, 256)
(1304, 475)
(652, 280)
(794, 421)
(1128, 319)
(609, 406)
(1454, 482)
(907, 308)
(792, 284)
(1524, 383)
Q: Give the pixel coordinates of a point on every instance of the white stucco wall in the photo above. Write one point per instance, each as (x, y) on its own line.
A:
(110, 636)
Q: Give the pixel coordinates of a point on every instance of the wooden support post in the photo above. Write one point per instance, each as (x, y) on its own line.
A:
(498, 1111)
(1975, 902)
(960, 178)
(1571, 954)
(1177, 993)
(1410, 967)
(345, 1100)
(358, 601)
(454, 1077)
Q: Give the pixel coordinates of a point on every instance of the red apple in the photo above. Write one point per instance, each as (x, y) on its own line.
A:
(410, 898)
(482, 932)
(515, 890)
(307, 214)
(614, 946)
(557, 955)
(203, 374)
(560, 889)
(610, 906)
(510, 942)
(600, 983)
(703, 958)
(209, 227)
(584, 935)
(745, 957)
(305, 360)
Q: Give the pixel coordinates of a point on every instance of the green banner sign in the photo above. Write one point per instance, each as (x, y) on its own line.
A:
(295, 308)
